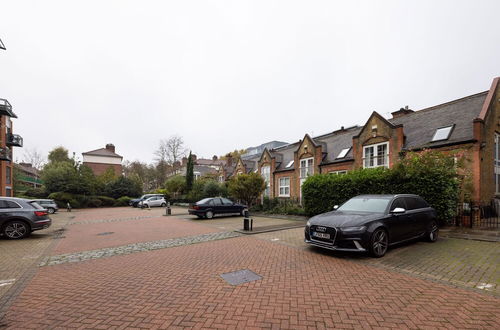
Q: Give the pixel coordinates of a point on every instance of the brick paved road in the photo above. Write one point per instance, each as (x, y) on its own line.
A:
(181, 287)
(467, 263)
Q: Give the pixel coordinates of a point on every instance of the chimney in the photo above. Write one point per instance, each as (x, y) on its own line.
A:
(110, 147)
(184, 161)
(401, 112)
(229, 160)
(193, 157)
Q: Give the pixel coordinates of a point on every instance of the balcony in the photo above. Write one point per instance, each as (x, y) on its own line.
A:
(5, 154)
(14, 140)
(6, 109)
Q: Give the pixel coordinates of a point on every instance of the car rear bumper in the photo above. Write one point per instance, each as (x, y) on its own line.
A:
(196, 212)
(41, 224)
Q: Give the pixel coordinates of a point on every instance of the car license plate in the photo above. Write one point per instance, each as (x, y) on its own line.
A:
(321, 235)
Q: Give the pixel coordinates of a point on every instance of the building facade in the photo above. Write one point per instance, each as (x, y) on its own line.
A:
(468, 128)
(100, 160)
(8, 140)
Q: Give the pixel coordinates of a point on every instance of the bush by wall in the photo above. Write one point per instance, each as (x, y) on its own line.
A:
(122, 201)
(429, 174)
(279, 206)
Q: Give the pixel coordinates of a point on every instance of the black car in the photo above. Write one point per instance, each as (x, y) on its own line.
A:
(209, 207)
(372, 223)
(19, 217)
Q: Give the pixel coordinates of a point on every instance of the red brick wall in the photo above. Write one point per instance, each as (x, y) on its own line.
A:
(100, 168)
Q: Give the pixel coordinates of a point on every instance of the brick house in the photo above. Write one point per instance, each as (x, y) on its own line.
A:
(468, 126)
(8, 140)
(100, 160)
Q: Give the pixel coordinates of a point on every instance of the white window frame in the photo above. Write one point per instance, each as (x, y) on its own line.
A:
(339, 172)
(265, 172)
(343, 153)
(284, 187)
(197, 175)
(309, 168)
(376, 156)
(449, 128)
(221, 178)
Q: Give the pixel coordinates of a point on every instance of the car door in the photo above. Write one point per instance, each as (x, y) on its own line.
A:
(400, 224)
(417, 210)
(230, 206)
(218, 206)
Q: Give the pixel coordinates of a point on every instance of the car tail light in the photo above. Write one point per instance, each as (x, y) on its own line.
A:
(41, 213)
(196, 207)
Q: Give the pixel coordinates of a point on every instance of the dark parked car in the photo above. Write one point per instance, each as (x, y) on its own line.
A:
(372, 223)
(209, 207)
(135, 202)
(48, 204)
(19, 217)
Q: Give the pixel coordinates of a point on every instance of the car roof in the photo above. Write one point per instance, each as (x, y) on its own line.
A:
(15, 199)
(386, 196)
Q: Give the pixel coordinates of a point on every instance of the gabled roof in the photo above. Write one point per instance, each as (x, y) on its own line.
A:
(419, 127)
(102, 152)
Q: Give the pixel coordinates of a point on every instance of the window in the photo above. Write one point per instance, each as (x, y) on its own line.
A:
(197, 175)
(284, 185)
(398, 203)
(442, 133)
(265, 171)
(496, 171)
(376, 155)
(8, 175)
(338, 172)
(306, 167)
(290, 164)
(226, 201)
(344, 152)
(9, 205)
(217, 201)
(221, 178)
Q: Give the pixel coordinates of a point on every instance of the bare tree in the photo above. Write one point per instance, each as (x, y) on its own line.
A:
(170, 150)
(34, 157)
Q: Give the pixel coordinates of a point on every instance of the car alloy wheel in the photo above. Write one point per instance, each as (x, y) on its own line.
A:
(380, 243)
(433, 233)
(209, 214)
(16, 229)
(163, 204)
(51, 210)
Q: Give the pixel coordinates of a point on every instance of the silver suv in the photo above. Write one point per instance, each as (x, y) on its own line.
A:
(48, 204)
(19, 217)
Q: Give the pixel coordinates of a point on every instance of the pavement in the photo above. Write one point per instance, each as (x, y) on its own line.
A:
(120, 268)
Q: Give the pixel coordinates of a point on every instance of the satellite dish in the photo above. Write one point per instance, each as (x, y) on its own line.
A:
(2, 46)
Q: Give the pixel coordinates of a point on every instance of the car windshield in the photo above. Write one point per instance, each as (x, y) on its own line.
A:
(376, 205)
(204, 201)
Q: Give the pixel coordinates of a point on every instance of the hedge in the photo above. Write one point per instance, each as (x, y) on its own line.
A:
(431, 175)
(82, 201)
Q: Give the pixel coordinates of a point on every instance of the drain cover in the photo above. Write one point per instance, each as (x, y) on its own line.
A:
(240, 277)
(106, 233)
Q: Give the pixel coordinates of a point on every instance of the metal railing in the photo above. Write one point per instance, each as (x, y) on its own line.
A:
(479, 215)
(14, 140)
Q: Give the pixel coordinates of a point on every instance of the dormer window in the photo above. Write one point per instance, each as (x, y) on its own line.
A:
(442, 133)
(290, 164)
(343, 153)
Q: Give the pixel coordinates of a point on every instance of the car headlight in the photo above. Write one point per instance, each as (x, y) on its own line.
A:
(308, 224)
(353, 229)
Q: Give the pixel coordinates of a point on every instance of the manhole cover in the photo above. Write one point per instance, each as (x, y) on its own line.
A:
(105, 233)
(240, 276)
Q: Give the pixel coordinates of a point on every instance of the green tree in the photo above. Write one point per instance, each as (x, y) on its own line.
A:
(189, 172)
(59, 154)
(176, 185)
(123, 187)
(247, 187)
(60, 176)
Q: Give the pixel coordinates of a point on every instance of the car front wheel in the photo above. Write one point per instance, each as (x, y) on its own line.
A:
(379, 243)
(432, 232)
(209, 214)
(16, 229)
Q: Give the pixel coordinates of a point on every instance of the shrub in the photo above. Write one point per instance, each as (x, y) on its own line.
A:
(36, 192)
(247, 187)
(106, 201)
(429, 174)
(94, 202)
(122, 201)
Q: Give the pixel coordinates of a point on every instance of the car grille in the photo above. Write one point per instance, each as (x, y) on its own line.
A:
(329, 230)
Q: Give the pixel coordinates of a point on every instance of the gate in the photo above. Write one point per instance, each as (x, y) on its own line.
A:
(479, 215)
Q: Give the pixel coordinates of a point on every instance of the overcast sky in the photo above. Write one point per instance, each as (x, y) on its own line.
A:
(232, 74)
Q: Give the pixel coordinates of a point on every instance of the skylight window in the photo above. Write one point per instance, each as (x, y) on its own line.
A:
(289, 164)
(344, 152)
(442, 133)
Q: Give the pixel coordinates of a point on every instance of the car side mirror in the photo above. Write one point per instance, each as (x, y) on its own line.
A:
(398, 210)
(335, 207)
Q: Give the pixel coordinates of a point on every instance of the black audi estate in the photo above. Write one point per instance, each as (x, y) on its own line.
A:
(371, 223)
